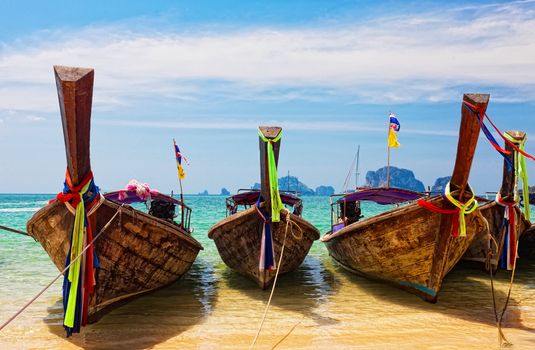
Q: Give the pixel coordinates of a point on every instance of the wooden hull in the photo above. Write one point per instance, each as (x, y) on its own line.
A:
(402, 247)
(493, 213)
(238, 237)
(137, 253)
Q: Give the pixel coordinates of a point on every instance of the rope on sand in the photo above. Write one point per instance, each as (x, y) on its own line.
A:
(287, 334)
(119, 210)
(502, 340)
(298, 237)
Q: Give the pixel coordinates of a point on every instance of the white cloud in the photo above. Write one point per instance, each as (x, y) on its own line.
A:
(19, 116)
(423, 57)
(240, 124)
(34, 118)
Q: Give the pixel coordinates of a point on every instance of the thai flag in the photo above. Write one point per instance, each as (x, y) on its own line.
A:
(178, 155)
(394, 123)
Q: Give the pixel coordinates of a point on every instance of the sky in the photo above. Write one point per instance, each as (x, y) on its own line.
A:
(207, 73)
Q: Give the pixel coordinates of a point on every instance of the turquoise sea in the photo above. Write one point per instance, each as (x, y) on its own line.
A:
(318, 306)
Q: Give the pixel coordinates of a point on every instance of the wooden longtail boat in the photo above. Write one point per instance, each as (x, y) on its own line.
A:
(238, 236)
(412, 247)
(494, 214)
(137, 252)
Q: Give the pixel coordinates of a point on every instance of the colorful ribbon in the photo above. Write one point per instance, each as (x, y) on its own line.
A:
(267, 255)
(276, 202)
(461, 210)
(521, 172)
(79, 279)
(481, 115)
(509, 223)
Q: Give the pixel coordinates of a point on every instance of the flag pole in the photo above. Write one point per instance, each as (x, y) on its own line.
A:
(181, 191)
(388, 146)
(357, 169)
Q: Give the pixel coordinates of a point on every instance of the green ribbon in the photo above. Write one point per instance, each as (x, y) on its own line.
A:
(521, 172)
(464, 208)
(76, 249)
(276, 202)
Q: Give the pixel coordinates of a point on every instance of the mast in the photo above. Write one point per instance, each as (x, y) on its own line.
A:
(288, 181)
(357, 169)
(388, 146)
(75, 94)
(180, 184)
(269, 132)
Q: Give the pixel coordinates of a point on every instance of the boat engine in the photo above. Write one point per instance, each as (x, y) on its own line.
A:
(162, 209)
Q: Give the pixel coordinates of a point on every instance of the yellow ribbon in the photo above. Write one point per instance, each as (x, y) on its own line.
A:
(276, 202)
(464, 208)
(76, 249)
(521, 172)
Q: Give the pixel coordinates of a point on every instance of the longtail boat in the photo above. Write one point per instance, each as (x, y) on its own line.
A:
(410, 246)
(134, 253)
(247, 239)
(506, 221)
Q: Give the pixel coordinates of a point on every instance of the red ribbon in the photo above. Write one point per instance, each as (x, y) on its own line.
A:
(483, 114)
(456, 212)
(510, 207)
(73, 197)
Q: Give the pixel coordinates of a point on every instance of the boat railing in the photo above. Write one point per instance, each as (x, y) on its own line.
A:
(185, 220)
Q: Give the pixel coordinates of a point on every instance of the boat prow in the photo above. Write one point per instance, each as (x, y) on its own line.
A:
(134, 252)
(412, 247)
(243, 239)
(399, 247)
(238, 240)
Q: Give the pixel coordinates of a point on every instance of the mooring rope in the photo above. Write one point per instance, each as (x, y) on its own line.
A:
(14, 230)
(287, 334)
(502, 340)
(119, 210)
(288, 222)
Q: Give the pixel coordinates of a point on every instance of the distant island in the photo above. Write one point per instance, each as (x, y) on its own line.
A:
(292, 183)
(400, 178)
(440, 184)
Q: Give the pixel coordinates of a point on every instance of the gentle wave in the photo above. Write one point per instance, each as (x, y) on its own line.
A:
(25, 203)
(18, 210)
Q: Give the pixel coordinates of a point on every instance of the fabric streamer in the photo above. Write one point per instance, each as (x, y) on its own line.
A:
(179, 156)
(481, 115)
(393, 128)
(510, 238)
(460, 210)
(521, 172)
(276, 202)
(79, 280)
(267, 255)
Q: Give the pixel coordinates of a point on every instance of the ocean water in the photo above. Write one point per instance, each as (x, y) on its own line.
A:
(318, 306)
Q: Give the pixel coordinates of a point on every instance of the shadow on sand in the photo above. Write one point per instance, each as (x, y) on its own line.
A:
(466, 294)
(301, 291)
(150, 319)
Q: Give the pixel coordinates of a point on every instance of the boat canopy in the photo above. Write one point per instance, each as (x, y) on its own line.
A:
(250, 198)
(382, 195)
(130, 196)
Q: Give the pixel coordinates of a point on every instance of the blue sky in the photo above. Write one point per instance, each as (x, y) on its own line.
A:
(208, 72)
